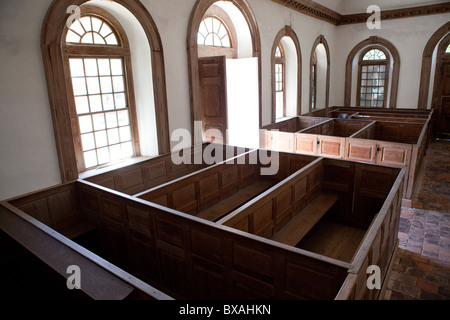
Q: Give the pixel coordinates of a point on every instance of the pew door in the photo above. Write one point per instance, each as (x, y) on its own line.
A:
(331, 147)
(393, 154)
(213, 97)
(361, 150)
(306, 143)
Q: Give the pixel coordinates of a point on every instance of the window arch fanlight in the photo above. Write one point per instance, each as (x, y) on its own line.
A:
(315, 71)
(88, 69)
(281, 86)
(394, 57)
(447, 50)
(214, 32)
(373, 77)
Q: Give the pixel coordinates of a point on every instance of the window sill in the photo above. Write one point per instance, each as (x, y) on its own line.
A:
(111, 167)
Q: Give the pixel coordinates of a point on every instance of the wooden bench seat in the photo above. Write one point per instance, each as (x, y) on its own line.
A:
(236, 200)
(77, 229)
(304, 221)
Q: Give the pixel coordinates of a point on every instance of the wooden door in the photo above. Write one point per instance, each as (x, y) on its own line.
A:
(213, 99)
(443, 99)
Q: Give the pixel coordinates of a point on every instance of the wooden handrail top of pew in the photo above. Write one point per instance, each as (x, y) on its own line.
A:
(306, 219)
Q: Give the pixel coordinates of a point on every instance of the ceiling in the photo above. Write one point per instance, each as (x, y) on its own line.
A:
(360, 6)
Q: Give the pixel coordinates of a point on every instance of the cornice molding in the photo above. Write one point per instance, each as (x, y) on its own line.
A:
(313, 9)
(397, 13)
(318, 11)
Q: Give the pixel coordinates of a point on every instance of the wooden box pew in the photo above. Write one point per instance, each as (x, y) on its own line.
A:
(32, 252)
(143, 175)
(397, 144)
(384, 111)
(187, 257)
(360, 116)
(217, 190)
(192, 258)
(326, 208)
(327, 139)
(377, 248)
(57, 207)
(280, 136)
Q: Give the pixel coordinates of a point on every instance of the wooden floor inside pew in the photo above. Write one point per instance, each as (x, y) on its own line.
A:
(236, 200)
(333, 240)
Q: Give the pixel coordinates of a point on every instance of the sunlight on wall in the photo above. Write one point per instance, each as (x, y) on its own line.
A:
(243, 103)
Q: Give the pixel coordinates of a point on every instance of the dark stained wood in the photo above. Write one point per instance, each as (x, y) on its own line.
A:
(213, 97)
(188, 257)
(294, 231)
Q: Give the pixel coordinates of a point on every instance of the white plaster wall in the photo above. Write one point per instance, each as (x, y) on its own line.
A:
(271, 19)
(171, 18)
(28, 158)
(408, 35)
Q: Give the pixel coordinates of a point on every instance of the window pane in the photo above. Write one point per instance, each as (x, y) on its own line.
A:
(103, 155)
(82, 104)
(79, 86)
(88, 141)
(115, 152)
(76, 67)
(123, 118)
(125, 134)
(95, 103)
(87, 38)
(72, 37)
(86, 22)
(108, 102)
(116, 67)
(111, 40)
(90, 159)
(93, 85)
(101, 139)
(96, 24)
(106, 84)
(99, 121)
(118, 84)
(91, 67)
(98, 39)
(103, 67)
(76, 27)
(111, 120)
(120, 100)
(113, 136)
(85, 124)
(105, 30)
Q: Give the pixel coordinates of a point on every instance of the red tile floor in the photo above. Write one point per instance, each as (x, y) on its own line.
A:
(421, 267)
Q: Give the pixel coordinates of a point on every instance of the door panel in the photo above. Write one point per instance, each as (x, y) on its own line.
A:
(213, 101)
(361, 150)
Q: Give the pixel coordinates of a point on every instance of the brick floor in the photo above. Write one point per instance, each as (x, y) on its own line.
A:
(421, 268)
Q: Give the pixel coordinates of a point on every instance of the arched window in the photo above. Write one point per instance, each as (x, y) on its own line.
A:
(448, 49)
(314, 81)
(286, 74)
(279, 80)
(102, 95)
(213, 32)
(373, 77)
